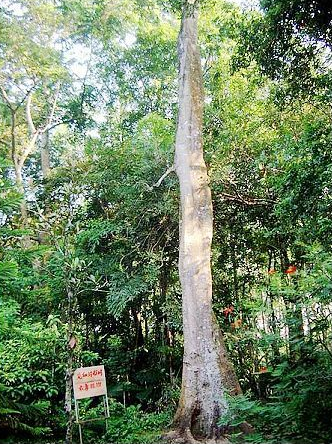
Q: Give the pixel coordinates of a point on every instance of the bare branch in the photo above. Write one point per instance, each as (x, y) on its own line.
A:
(62, 122)
(247, 200)
(31, 125)
(6, 98)
(9, 103)
(28, 149)
(170, 170)
(51, 116)
(25, 96)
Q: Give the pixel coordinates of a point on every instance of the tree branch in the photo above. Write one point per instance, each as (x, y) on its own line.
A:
(167, 173)
(28, 149)
(6, 98)
(51, 116)
(62, 122)
(247, 200)
(31, 125)
(25, 96)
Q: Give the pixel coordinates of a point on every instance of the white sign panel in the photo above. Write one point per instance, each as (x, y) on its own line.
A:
(89, 382)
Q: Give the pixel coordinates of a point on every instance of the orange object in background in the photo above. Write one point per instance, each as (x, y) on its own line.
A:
(271, 271)
(291, 269)
(237, 323)
(228, 310)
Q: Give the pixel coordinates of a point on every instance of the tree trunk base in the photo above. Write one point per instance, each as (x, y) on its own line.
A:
(186, 437)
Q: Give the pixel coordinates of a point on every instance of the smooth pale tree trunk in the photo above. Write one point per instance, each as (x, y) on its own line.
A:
(26, 241)
(46, 169)
(45, 154)
(207, 372)
(20, 188)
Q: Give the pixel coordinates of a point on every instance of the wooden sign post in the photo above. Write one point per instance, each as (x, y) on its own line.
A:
(87, 383)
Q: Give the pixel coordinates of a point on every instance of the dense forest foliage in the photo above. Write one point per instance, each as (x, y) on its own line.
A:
(89, 220)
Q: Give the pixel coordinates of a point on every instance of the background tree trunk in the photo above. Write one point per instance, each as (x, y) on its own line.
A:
(206, 369)
(20, 188)
(45, 154)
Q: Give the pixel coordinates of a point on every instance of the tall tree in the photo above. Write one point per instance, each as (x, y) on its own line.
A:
(207, 373)
(32, 68)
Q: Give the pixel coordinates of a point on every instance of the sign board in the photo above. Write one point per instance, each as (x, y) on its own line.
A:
(89, 382)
